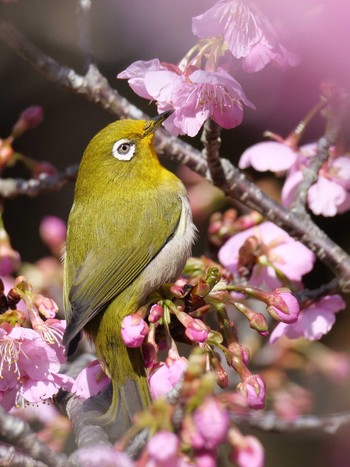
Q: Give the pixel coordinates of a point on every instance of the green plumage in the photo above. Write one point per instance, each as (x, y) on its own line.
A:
(127, 214)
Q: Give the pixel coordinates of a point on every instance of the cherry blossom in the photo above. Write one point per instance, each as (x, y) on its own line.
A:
(212, 422)
(283, 306)
(329, 196)
(268, 155)
(162, 449)
(314, 320)
(247, 32)
(134, 330)
(195, 95)
(276, 251)
(253, 388)
(164, 376)
(90, 381)
(247, 451)
(29, 368)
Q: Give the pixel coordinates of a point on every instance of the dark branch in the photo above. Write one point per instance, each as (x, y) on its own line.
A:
(11, 456)
(17, 432)
(269, 421)
(84, 15)
(95, 88)
(10, 188)
(212, 141)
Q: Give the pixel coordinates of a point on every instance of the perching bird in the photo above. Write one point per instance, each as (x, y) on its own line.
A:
(130, 230)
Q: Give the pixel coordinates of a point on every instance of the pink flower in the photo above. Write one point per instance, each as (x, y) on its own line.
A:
(90, 381)
(212, 422)
(247, 452)
(194, 95)
(51, 331)
(100, 455)
(330, 195)
(28, 367)
(268, 155)
(205, 458)
(197, 331)
(165, 376)
(253, 388)
(53, 231)
(45, 306)
(277, 250)
(162, 449)
(314, 320)
(216, 95)
(134, 329)
(283, 306)
(9, 259)
(247, 32)
(155, 313)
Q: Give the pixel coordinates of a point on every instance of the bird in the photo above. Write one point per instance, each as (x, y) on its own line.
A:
(129, 231)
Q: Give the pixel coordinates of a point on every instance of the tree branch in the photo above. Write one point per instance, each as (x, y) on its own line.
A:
(269, 421)
(10, 187)
(11, 456)
(95, 88)
(17, 432)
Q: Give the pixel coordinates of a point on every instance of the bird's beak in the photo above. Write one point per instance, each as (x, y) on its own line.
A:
(152, 124)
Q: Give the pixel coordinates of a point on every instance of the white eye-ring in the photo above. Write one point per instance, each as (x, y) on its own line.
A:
(123, 149)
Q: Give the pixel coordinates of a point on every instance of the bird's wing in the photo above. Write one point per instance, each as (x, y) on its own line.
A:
(106, 272)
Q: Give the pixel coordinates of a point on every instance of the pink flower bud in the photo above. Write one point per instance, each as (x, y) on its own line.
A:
(240, 351)
(155, 313)
(197, 331)
(253, 388)
(283, 306)
(53, 231)
(29, 118)
(212, 422)
(9, 259)
(259, 323)
(178, 288)
(205, 458)
(43, 168)
(162, 448)
(165, 376)
(247, 451)
(33, 115)
(134, 330)
(46, 306)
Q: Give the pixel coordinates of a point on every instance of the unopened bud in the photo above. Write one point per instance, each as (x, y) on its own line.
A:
(259, 323)
(46, 306)
(155, 313)
(283, 306)
(29, 118)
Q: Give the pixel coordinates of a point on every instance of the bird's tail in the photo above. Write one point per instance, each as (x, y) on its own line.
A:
(125, 366)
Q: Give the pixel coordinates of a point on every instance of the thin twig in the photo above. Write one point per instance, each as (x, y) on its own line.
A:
(330, 288)
(269, 421)
(17, 432)
(10, 187)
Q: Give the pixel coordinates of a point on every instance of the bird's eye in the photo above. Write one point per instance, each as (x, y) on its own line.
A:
(123, 149)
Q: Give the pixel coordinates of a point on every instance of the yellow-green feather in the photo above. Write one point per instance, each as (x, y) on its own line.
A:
(127, 217)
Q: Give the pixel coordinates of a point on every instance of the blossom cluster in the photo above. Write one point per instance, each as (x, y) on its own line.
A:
(202, 84)
(31, 352)
(330, 193)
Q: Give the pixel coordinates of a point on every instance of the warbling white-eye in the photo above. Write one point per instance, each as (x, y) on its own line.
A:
(129, 231)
